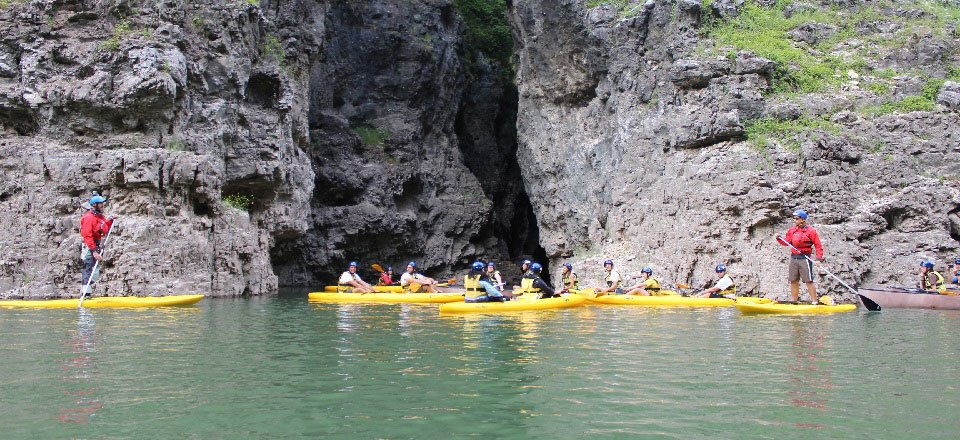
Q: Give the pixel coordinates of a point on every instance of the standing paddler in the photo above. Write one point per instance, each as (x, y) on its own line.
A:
(804, 239)
(94, 226)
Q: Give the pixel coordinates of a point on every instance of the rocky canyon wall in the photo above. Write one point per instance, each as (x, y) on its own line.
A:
(642, 137)
(238, 141)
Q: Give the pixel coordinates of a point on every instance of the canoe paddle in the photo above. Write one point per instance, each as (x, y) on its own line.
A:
(867, 302)
(103, 254)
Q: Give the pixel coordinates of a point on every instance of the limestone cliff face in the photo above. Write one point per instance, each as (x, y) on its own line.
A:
(336, 120)
(632, 140)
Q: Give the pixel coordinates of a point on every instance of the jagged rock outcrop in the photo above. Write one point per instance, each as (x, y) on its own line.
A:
(632, 140)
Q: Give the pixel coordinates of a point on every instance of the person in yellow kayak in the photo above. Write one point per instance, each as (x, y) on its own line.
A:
(647, 286)
(524, 270)
(493, 276)
(931, 279)
(412, 281)
(612, 278)
(531, 283)
(478, 287)
(723, 288)
(350, 281)
(568, 279)
(386, 278)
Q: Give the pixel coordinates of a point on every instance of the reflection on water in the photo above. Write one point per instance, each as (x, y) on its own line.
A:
(79, 369)
(810, 369)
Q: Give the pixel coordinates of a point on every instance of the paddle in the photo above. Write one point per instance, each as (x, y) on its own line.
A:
(103, 254)
(867, 302)
(377, 267)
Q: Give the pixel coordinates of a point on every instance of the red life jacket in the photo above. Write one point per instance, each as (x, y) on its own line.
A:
(802, 239)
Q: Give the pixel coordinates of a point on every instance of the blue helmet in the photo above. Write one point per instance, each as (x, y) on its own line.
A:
(536, 267)
(721, 268)
(97, 198)
(352, 264)
(527, 262)
(957, 262)
(928, 264)
(647, 271)
(610, 262)
(568, 266)
(389, 268)
(800, 213)
(491, 264)
(956, 280)
(412, 263)
(477, 266)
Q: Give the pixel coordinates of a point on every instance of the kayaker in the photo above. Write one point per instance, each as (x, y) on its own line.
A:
(524, 270)
(723, 288)
(532, 283)
(568, 278)
(386, 278)
(804, 239)
(612, 278)
(412, 281)
(478, 287)
(647, 286)
(493, 276)
(94, 226)
(931, 279)
(350, 281)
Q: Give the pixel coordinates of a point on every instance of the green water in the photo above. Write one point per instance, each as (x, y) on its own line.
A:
(278, 367)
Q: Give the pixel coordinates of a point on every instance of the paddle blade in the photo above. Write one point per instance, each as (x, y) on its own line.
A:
(377, 267)
(415, 287)
(683, 285)
(869, 303)
(452, 281)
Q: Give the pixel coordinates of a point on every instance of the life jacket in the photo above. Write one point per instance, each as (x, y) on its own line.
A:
(526, 285)
(493, 278)
(385, 279)
(609, 275)
(801, 239)
(471, 283)
(346, 287)
(732, 290)
(413, 279)
(565, 279)
(654, 285)
(938, 286)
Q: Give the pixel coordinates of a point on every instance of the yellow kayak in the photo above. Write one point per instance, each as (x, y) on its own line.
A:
(794, 309)
(674, 301)
(515, 305)
(386, 297)
(384, 289)
(107, 301)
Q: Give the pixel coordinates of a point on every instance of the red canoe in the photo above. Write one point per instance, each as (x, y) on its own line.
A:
(905, 299)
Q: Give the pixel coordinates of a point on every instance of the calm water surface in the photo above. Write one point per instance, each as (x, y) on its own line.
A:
(280, 367)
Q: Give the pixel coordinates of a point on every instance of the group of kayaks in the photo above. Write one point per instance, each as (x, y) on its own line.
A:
(453, 303)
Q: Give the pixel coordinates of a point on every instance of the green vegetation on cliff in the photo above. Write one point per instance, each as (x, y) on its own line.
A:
(840, 42)
(487, 29)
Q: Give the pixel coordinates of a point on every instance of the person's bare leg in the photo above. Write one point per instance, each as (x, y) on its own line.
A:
(795, 291)
(812, 291)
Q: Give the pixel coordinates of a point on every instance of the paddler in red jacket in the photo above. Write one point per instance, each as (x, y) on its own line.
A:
(94, 226)
(804, 239)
